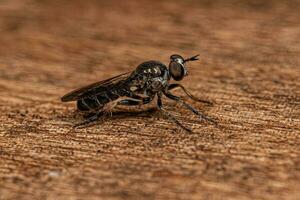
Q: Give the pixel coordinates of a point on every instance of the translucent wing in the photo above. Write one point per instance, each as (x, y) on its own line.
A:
(94, 88)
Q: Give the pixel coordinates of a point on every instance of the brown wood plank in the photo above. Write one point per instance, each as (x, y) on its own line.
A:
(249, 67)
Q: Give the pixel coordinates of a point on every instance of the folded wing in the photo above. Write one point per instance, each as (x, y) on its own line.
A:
(94, 88)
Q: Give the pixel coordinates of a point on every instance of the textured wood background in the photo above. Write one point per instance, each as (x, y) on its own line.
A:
(249, 67)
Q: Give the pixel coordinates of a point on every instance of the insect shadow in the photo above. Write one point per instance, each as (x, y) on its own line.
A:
(119, 113)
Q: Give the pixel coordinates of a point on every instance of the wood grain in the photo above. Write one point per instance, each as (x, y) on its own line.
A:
(249, 67)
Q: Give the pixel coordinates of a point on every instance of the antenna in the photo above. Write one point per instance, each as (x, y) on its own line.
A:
(191, 58)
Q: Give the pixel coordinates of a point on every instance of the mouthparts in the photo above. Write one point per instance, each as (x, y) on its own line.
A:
(191, 58)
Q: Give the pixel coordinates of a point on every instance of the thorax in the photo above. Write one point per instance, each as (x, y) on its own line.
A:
(150, 77)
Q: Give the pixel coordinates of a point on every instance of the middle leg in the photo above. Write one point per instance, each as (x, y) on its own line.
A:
(176, 85)
(169, 115)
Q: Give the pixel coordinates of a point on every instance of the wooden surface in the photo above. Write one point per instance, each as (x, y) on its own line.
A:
(249, 68)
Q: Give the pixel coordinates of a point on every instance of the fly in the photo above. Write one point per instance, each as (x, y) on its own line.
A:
(149, 79)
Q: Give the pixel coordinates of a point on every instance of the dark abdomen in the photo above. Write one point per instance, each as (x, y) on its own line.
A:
(96, 102)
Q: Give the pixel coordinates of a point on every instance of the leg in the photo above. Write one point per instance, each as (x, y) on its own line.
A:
(90, 119)
(169, 115)
(176, 85)
(178, 99)
(136, 100)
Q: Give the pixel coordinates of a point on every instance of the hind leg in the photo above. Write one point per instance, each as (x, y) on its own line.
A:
(90, 119)
(134, 101)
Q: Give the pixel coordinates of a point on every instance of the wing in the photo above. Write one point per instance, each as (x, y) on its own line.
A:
(90, 89)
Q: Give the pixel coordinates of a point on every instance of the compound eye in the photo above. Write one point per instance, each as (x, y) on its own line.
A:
(176, 71)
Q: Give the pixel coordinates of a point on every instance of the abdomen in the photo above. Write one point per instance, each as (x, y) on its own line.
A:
(96, 102)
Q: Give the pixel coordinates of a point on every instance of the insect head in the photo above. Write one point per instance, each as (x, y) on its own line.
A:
(177, 66)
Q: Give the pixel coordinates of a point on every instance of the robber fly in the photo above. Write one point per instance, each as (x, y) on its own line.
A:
(139, 87)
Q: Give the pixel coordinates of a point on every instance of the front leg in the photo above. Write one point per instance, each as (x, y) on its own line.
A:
(189, 107)
(176, 85)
